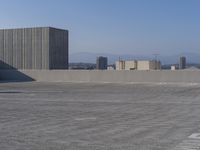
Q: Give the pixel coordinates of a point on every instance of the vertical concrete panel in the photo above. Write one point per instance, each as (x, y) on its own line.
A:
(58, 49)
(1, 49)
(8, 48)
(34, 41)
(66, 49)
(23, 49)
(28, 48)
(33, 48)
(15, 48)
(38, 46)
(51, 48)
(20, 47)
(62, 57)
(45, 48)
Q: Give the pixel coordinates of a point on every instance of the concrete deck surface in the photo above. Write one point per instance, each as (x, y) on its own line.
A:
(83, 116)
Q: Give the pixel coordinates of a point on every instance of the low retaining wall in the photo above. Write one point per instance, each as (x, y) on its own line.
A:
(183, 76)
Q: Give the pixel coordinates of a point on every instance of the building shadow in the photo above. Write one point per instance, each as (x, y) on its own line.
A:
(10, 74)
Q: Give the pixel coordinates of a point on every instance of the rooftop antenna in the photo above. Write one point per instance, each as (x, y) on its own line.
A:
(156, 59)
(156, 56)
(119, 62)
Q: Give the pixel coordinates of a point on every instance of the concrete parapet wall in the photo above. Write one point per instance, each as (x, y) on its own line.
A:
(182, 76)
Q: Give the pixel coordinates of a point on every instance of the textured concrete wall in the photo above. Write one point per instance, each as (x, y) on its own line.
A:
(103, 76)
(24, 48)
(58, 49)
(33, 48)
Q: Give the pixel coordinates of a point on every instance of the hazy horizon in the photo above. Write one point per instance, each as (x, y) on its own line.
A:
(137, 27)
(90, 57)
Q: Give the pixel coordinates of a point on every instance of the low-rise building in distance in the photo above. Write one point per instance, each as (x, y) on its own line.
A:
(82, 66)
(111, 67)
(173, 67)
(138, 65)
(126, 65)
(149, 65)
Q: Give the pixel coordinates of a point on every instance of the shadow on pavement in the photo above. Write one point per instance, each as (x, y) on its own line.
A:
(10, 74)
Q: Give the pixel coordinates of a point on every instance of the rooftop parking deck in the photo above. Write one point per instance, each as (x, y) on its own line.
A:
(90, 116)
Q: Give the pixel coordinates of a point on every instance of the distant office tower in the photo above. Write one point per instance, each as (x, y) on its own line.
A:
(34, 48)
(101, 63)
(182, 63)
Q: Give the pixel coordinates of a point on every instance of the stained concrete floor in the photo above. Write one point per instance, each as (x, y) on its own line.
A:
(82, 116)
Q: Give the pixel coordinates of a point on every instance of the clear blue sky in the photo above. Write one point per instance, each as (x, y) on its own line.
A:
(113, 26)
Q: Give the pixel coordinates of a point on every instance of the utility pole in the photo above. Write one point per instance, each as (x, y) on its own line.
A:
(119, 62)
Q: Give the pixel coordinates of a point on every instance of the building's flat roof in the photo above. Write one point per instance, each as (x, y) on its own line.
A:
(32, 28)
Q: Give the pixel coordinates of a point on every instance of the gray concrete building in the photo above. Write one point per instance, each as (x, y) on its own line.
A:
(182, 63)
(101, 63)
(34, 48)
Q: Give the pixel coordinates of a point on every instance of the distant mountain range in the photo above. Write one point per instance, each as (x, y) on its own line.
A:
(86, 57)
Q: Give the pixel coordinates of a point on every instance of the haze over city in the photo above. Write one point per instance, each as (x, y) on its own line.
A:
(131, 27)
